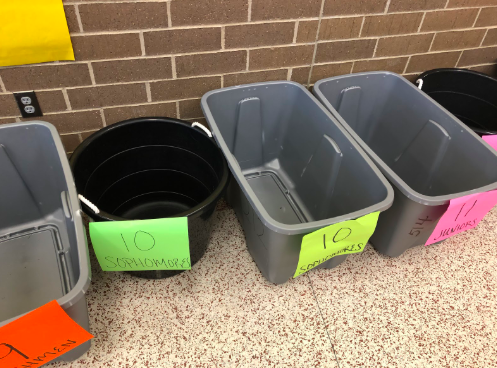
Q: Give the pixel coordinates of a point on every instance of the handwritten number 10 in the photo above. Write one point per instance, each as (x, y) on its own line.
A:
(335, 240)
(136, 245)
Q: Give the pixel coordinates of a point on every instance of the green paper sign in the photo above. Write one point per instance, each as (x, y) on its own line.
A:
(335, 240)
(142, 245)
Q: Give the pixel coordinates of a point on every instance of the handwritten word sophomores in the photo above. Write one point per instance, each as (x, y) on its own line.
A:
(159, 244)
(338, 239)
(173, 264)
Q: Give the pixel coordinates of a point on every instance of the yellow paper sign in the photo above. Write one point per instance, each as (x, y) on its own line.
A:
(335, 240)
(33, 31)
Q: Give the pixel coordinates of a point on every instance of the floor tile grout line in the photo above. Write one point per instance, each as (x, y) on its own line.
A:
(324, 321)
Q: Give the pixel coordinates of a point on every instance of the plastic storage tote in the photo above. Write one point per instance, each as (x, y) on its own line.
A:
(43, 249)
(296, 170)
(148, 168)
(428, 155)
(469, 95)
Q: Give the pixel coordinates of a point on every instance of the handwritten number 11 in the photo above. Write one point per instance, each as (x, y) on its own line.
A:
(468, 210)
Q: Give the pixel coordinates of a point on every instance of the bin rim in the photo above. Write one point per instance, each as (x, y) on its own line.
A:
(198, 210)
(267, 220)
(455, 70)
(81, 286)
(389, 173)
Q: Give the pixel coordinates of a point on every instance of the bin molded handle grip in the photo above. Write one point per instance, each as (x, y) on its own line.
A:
(89, 204)
(420, 83)
(198, 125)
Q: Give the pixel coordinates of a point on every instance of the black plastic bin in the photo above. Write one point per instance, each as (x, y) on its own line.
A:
(471, 96)
(150, 168)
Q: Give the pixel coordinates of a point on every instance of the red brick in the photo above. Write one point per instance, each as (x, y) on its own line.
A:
(109, 46)
(215, 63)
(123, 16)
(132, 70)
(178, 89)
(182, 40)
(45, 76)
(116, 114)
(100, 96)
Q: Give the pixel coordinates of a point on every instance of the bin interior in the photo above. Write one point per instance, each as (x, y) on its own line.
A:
(298, 162)
(147, 168)
(414, 136)
(38, 249)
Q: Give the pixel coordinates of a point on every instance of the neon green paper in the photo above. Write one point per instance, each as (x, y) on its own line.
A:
(33, 31)
(139, 245)
(335, 240)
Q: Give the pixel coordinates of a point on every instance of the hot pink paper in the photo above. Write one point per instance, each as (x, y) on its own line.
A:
(491, 140)
(464, 213)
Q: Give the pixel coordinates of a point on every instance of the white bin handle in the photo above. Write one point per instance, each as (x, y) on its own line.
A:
(88, 203)
(420, 83)
(198, 125)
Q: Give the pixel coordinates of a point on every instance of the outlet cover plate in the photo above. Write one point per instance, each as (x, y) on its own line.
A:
(28, 104)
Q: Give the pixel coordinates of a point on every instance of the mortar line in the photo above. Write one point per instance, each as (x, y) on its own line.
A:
(352, 68)
(289, 74)
(362, 25)
(78, 17)
(315, 44)
(149, 92)
(407, 64)
(459, 59)
(446, 4)
(295, 31)
(249, 15)
(66, 99)
(421, 23)
(142, 42)
(223, 38)
(169, 19)
(177, 110)
(102, 115)
(2, 86)
(222, 81)
(173, 67)
(248, 60)
(432, 41)
(484, 36)
(375, 47)
(476, 19)
(92, 76)
(387, 6)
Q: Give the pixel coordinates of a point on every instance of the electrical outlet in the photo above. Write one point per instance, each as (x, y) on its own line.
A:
(28, 104)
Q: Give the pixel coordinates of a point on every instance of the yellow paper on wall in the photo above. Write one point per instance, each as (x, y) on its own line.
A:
(33, 31)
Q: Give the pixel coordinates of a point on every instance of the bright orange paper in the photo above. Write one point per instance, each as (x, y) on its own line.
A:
(39, 337)
(33, 31)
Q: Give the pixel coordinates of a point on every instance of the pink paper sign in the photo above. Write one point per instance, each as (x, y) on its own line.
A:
(491, 140)
(464, 213)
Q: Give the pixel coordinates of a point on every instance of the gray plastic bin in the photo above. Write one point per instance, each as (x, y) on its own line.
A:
(297, 168)
(428, 155)
(43, 249)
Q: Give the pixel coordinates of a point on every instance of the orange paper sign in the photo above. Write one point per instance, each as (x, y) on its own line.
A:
(39, 337)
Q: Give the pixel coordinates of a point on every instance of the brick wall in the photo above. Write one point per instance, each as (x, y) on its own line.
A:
(139, 58)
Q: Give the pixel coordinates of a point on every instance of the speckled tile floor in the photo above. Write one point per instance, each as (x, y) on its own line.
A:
(432, 307)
